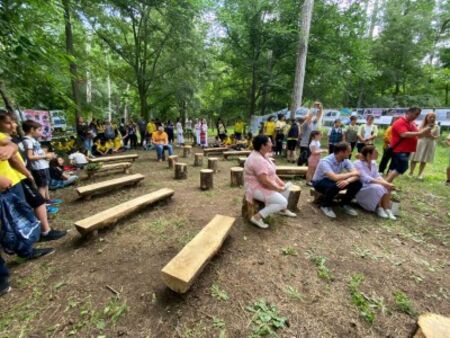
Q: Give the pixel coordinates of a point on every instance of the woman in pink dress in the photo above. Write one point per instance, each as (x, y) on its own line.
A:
(314, 158)
(262, 183)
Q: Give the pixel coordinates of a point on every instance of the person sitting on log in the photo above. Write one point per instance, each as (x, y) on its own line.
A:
(334, 173)
(262, 183)
(160, 140)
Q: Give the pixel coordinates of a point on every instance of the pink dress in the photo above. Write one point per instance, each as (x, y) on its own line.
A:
(255, 165)
(313, 159)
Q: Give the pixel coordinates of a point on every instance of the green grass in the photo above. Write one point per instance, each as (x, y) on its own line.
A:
(266, 319)
(218, 293)
(289, 251)
(319, 261)
(293, 293)
(403, 303)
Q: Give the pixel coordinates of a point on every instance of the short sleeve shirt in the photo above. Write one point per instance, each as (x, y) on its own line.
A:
(31, 143)
(330, 164)
(406, 145)
(257, 165)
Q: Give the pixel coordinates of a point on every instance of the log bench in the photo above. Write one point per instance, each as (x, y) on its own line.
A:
(113, 215)
(291, 171)
(432, 325)
(317, 195)
(216, 150)
(241, 153)
(101, 187)
(108, 168)
(115, 158)
(180, 273)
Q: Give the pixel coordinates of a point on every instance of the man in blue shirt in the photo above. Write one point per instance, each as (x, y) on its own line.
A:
(334, 173)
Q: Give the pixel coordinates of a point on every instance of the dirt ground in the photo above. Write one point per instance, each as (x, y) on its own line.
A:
(302, 266)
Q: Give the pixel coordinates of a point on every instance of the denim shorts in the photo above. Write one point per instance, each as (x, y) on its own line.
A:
(400, 162)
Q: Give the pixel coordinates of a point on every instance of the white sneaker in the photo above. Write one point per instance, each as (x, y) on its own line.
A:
(390, 214)
(259, 223)
(382, 213)
(287, 213)
(349, 210)
(328, 212)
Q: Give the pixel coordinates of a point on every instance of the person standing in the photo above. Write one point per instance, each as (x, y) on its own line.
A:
(269, 129)
(203, 134)
(367, 133)
(387, 151)
(312, 121)
(280, 127)
(335, 135)
(292, 140)
(239, 129)
(221, 130)
(351, 133)
(142, 124)
(426, 146)
(84, 135)
(198, 127)
(404, 142)
(180, 138)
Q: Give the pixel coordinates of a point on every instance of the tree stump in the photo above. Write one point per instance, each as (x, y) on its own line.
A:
(432, 325)
(212, 163)
(237, 176)
(206, 179)
(198, 160)
(241, 161)
(294, 197)
(172, 160)
(250, 209)
(180, 171)
(187, 151)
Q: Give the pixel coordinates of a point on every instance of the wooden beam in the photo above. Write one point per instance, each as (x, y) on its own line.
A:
(125, 166)
(227, 154)
(115, 158)
(432, 325)
(113, 215)
(291, 171)
(215, 150)
(101, 187)
(183, 269)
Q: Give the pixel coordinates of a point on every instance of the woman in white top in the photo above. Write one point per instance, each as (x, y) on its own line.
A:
(367, 133)
(180, 138)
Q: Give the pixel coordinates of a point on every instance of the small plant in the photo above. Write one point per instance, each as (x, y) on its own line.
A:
(158, 225)
(265, 319)
(93, 166)
(358, 299)
(220, 325)
(218, 293)
(363, 253)
(293, 293)
(403, 303)
(289, 251)
(319, 261)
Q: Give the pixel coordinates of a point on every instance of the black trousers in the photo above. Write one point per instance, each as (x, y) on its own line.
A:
(329, 189)
(304, 155)
(387, 155)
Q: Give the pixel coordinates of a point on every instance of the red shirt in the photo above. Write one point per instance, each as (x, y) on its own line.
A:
(406, 145)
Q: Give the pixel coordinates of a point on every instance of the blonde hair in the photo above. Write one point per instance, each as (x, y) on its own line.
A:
(425, 120)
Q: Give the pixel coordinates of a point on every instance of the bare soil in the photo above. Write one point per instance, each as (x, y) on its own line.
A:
(66, 294)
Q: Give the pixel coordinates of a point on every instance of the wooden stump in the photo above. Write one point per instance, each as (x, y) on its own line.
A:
(237, 176)
(294, 197)
(250, 209)
(206, 179)
(212, 163)
(241, 161)
(187, 151)
(172, 160)
(180, 171)
(198, 161)
(432, 325)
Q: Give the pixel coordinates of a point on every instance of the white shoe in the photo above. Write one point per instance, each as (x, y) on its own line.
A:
(349, 210)
(382, 213)
(328, 212)
(287, 213)
(259, 223)
(390, 214)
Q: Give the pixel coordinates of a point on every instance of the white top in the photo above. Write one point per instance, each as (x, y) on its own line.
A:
(31, 143)
(179, 127)
(78, 158)
(314, 145)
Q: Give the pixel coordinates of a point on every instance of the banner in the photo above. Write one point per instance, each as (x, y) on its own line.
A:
(42, 117)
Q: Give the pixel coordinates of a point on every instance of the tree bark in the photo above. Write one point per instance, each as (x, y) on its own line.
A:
(198, 162)
(74, 80)
(302, 51)
(6, 100)
(172, 160)
(212, 163)
(180, 171)
(236, 176)
(206, 179)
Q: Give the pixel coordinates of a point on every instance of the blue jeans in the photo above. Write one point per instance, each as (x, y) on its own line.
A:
(87, 142)
(4, 273)
(160, 150)
(59, 184)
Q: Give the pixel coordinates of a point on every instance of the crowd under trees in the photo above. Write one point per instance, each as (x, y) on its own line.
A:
(220, 58)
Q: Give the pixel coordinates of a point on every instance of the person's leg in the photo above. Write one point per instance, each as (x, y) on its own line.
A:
(310, 173)
(330, 148)
(384, 160)
(273, 203)
(422, 168)
(329, 189)
(385, 201)
(412, 168)
(352, 190)
(159, 150)
(4, 277)
(170, 149)
(71, 180)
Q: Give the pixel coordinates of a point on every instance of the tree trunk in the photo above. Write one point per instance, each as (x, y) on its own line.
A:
(74, 80)
(446, 94)
(373, 19)
(252, 107)
(206, 179)
(6, 100)
(302, 51)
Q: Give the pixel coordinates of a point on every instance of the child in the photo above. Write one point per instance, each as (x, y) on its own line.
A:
(37, 157)
(58, 178)
(314, 158)
(335, 135)
(102, 148)
(79, 159)
(118, 145)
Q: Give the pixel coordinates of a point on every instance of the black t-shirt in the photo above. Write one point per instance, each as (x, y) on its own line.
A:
(56, 173)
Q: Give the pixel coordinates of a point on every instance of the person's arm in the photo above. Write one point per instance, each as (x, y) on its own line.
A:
(343, 176)
(421, 133)
(374, 133)
(7, 149)
(320, 113)
(436, 134)
(270, 184)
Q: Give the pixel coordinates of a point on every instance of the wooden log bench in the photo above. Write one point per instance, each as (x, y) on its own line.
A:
(171, 160)
(236, 176)
(198, 160)
(112, 167)
(180, 273)
(431, 325)
(233, 153)
(101, 187)
(249, 209)
(113, 215)
(216, 150)
(206, 179)
(180, 171)
(291, 171)
(317, 196)
(115, 158)
(241, 161)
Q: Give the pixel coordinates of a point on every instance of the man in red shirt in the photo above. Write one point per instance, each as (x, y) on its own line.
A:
(404, 142)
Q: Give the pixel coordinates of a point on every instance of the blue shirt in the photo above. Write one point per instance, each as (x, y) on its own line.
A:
(330, 164)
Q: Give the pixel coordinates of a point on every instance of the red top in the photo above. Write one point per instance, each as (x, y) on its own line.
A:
(406, 145)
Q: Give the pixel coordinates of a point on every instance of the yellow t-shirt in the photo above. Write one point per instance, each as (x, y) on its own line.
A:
(102, 148)
(269, 128)
(117, 143)
(110, 144)
(239, 127)
(151, 127)
(7, 171)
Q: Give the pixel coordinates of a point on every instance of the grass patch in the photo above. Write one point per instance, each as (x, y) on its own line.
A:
(218, 293)
(403, 303)
(266, 319)
(293, 293)
(319, 261)
(289, 251)
(219, 324)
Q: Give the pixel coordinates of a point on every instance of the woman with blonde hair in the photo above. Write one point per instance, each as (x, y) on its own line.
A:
(426, 146)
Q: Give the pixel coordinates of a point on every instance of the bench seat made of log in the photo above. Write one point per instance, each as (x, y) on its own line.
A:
(112, 215)
(317, 195)
(291, 171)
(227, 154)
(181, 271)
(108, 168)
(101, 187)
(115, 158)
(214, 150)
